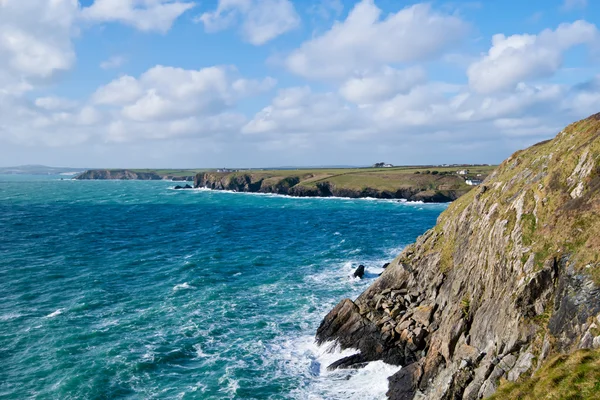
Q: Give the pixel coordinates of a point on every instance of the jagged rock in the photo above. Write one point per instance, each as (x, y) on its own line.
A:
(422, 315)
(522, 365)
(360, 272)
(404, 383)
(386, 265)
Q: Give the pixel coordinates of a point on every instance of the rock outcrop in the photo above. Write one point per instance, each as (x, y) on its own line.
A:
(508, 276)
(359, 272)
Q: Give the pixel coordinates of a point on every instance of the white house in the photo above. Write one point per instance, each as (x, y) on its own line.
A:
(473, 182)
(463, 172)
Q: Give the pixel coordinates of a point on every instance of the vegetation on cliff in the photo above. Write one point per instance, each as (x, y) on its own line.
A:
(575, 376)
(508, 277)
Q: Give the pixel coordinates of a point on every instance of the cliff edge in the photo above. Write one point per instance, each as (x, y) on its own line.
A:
(509, 276)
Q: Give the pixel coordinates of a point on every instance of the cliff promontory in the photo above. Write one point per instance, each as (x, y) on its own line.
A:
(507, 278)
(117, 174)
(413, 184)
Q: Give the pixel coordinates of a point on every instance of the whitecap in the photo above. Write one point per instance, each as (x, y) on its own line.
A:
(55, 313)
(183, 286)
(10, 316)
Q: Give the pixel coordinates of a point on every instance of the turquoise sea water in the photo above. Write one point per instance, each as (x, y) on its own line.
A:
(129, 289)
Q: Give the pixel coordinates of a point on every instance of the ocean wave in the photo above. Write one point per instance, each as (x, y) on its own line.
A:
(55, 313)
(183, 286)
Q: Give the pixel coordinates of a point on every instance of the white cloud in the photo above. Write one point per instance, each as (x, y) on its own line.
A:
(120, 91)
(381, 85)
(298, 110)
(519, 58)
(162, 103)
(365, 41)
(145, 15)
(55, 103)
(167, 102)
(574, 4)
(113, 62)
(35, 41)
(262, 20)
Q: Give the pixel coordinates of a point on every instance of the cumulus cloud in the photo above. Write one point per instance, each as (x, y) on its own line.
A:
(519, 58)
(35, 41)
(261, 20)
(300, 110)
(145, 15)
(365, 41)
(162, 103)
(167, 92)
(372, 87)
(55, 103)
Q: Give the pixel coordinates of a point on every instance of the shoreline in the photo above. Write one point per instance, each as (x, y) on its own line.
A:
(266, 194)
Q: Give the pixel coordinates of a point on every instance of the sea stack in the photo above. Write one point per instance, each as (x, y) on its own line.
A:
(508, 277)
(360, 272)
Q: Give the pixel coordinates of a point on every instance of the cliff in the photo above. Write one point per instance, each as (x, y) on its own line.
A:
(122, 174)
(144, 175)
(401, 183)
(508, 277)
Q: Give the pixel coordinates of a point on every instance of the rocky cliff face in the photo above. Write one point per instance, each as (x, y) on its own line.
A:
(508, 276)
(122, 174)
(247, 182)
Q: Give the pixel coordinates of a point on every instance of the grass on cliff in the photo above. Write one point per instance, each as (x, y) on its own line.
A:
(575, 377)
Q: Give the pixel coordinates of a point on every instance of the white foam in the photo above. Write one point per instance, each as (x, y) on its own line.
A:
(55, 313)
(305, 358)
(10, 316)
(183, 286)
(398, 201)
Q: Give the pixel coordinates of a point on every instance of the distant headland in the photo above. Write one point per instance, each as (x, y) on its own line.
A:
(432, 183)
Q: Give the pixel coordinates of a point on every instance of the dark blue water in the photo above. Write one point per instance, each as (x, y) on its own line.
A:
(127, 289)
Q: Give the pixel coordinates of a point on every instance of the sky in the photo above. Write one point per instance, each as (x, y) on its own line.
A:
(267, 83)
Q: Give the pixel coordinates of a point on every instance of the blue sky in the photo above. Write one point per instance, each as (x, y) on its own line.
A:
(249, 83)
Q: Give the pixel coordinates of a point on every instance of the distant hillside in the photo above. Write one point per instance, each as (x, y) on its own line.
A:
(38, 170)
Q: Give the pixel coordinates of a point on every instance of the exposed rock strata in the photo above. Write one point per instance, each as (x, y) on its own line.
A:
(507, 277)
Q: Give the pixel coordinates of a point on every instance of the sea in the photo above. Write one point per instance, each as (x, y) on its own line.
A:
(134, 290)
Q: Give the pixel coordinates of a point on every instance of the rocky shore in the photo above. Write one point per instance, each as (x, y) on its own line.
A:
(508, 277)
